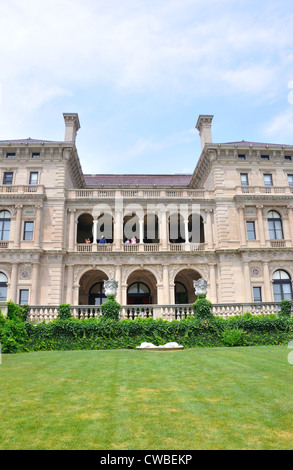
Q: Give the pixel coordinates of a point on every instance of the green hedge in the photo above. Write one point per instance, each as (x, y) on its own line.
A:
(65, 333)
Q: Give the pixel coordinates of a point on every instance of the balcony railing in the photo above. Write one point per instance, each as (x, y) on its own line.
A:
(264, 190)
(138, 193)
(139, 247)
(21, 189)
(166, 312)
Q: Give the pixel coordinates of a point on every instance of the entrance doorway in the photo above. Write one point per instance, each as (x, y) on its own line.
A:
(138, 293)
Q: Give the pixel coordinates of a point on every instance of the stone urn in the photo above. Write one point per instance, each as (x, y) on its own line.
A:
(200, 286)
(111, 287)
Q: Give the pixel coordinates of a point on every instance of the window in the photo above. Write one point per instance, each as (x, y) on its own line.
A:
(36, 155)
(288, 158)
(3, 287)
(97, 294)
(33, 177)
(268, 180)
(275, 226)
(28, 230)
(257, 294)
(23, 296)
(250, 227)
(290, 180)
(241, 157)
(8, 177)
(4, 225)
(244, 179)
(265, 157)
(282, 286)
(10, 155)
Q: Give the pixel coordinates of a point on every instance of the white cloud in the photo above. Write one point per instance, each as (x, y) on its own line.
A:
(281, 126)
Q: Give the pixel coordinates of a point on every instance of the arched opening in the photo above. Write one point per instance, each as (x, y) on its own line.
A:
(91, 290)
(5, 219)
(131, 228)
(176, 228)
(105, 228)
(142, 288)
(196, 228)
(151, 228)
(282, 286)
(85, 228)
(275, 226)
(3, 287)
(183, 286)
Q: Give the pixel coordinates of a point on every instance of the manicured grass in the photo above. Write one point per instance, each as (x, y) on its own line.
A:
(204, 398)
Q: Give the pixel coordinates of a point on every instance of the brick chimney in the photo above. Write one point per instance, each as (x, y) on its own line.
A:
(71, 126)
(204, 125)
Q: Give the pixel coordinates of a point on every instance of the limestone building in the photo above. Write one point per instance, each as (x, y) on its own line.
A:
(230, 223)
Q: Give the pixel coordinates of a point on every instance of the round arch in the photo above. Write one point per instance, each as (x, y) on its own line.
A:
(141, 287)
(282, 285)
(183, 285)
(91, 286)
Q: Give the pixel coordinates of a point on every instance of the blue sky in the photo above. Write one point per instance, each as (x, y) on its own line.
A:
(138, 73)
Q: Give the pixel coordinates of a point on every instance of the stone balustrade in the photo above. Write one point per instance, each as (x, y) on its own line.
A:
(166, 312)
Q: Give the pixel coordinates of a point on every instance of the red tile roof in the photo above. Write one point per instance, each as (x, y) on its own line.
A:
(124, 180)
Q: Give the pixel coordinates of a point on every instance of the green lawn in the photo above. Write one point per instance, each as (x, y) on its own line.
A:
(214, 398)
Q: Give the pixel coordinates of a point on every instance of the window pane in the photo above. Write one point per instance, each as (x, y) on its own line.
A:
(3, 293)
(8, 177)
(28, 230)
(33, 178)
(290, 180)
(244, 179)
(23, 297)
(257, 294)
(268, 180)
(277, 293)
(250, 230)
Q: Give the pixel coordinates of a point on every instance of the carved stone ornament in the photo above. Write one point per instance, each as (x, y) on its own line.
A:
(200, 286)
(111, 287)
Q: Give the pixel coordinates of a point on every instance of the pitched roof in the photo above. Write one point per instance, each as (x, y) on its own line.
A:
(254, 144)
(160, 180)
(28, 141)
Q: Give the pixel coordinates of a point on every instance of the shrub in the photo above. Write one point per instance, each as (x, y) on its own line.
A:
(16, 312)
(64, 312)
(202, 308)
(233, 337)
(285, 308)
(111, 308)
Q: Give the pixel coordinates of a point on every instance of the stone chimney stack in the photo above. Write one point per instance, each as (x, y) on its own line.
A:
(71, 126)
(204, 125)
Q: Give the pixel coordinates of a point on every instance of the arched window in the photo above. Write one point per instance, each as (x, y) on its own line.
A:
(275, 226)
(282, 286)
(97, 294)
(3, 287)
(138, 293)
(4, 225)
(181, 294)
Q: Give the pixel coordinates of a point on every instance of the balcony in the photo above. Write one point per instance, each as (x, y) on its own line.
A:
(6, 189)
(262, 190)
(74, 194)
(139, 247)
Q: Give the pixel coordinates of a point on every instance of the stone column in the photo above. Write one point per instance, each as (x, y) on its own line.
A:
(72, 230)
(186, 236)
(38, 226)
(247, 286)
(209, 239)
(267, 283)
(213, 284)
(118, 277)
(34, 298)
(166, 287)
(13, 283)
(163, 229)
(118, 230)
(69, 292)
(261, 226)
(17, 232)
(141, 231)
(242, 226)
(290, 218)
(95, 230)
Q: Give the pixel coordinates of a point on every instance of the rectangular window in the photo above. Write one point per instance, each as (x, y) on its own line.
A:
(36, 155)
(288, 158)
(290, 180)
(268, 180)
(23, 296)
(28, 230)
(250, 227)
(8, 177)
(33, 177)
(241, 156)
(244, 179)
(10, 155)
(257, 294)
(265, 157)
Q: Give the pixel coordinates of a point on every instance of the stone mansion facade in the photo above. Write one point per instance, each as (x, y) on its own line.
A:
(230, 223)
